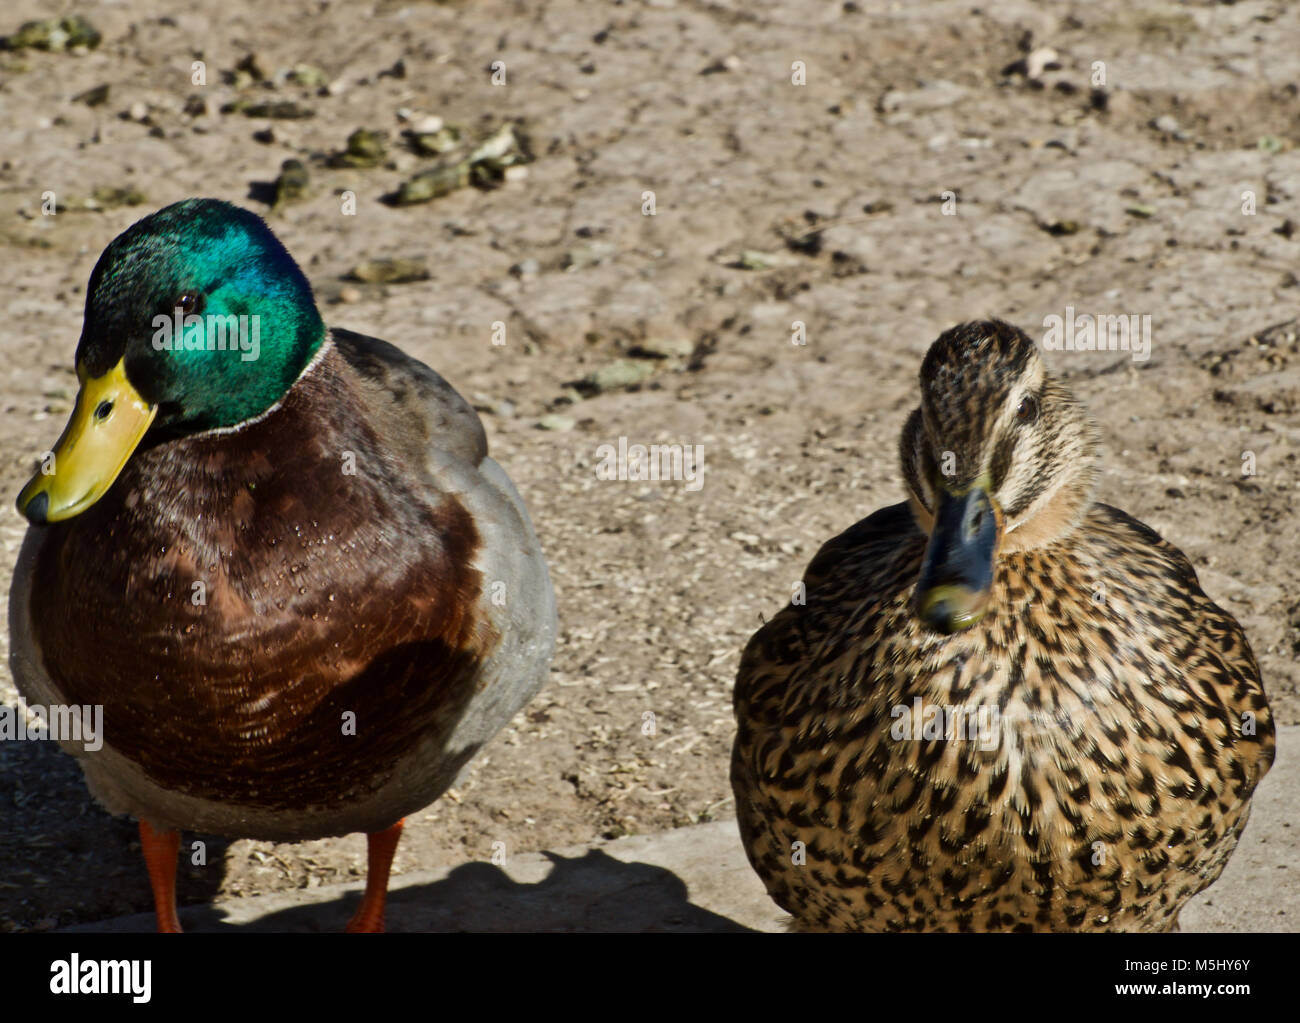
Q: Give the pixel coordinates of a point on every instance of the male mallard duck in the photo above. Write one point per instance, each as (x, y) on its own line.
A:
(278, 555)
(1002, 706)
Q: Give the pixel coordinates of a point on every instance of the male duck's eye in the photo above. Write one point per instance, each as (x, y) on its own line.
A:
(187, 302)
(1027, 410)
(103, 410)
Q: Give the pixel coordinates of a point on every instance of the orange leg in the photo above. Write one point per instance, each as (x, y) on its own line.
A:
(160, 851)
(380, 845)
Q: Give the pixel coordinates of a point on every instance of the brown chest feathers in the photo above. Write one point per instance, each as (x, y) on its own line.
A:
(269, 616)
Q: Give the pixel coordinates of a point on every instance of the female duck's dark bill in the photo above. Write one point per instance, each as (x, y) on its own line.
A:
(956, 581)
(109, 420)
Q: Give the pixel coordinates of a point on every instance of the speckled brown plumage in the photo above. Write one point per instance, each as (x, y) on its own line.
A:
(1131, 726)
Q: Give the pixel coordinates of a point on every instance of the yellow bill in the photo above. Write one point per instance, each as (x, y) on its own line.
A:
(106, 426)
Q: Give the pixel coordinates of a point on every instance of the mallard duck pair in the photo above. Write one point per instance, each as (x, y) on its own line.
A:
(1001, 706)
(276, 563)
(276, 554)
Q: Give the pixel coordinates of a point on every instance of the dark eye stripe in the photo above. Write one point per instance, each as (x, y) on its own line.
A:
(1026, 498)
(1000, 464)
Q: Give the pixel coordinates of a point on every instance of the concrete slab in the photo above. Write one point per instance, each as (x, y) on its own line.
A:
(697, 879)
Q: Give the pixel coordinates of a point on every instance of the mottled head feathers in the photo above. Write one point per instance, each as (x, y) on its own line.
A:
(990, 411)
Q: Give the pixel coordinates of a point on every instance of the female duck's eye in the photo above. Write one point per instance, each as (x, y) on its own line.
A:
(103, 409)
(1027, 410)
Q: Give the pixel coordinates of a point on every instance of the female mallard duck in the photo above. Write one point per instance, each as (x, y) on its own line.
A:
(276, 554)
(1001, 706)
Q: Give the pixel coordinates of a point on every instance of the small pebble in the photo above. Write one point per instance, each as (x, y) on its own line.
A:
(390, 271)
(664, 348)
(616, 375)
(1037, 62)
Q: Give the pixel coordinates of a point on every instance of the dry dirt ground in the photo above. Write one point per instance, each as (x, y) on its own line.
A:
(774, 202)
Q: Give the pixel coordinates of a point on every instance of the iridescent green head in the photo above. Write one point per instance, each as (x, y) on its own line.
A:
(196, 318)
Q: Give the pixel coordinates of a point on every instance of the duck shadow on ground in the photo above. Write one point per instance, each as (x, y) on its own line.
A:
(64, 859)
(592, 892)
